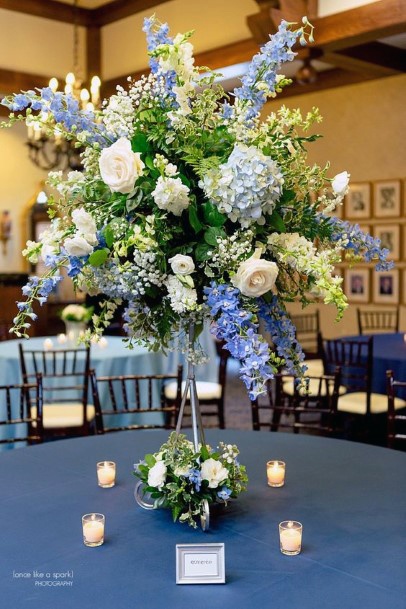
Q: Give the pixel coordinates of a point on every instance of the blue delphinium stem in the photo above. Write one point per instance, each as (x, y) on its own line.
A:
(261, 78)
(283, 334)
(362, 244)
(235, 327)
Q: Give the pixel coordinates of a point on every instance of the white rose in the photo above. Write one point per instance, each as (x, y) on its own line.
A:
(47, 250)
(78, 246)
(340, 183)
(120, 166)
(83, 221)
(255, 277)
(157, 474)
(182, 265)
(214, 472)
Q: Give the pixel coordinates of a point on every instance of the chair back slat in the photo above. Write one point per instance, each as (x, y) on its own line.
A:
(295, 407)
(65, 380)
(372, 321)
(395, 419)
(307, 328)
(130, 397)
(23, 424)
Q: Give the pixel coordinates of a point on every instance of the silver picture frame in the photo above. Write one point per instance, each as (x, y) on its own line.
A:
(202, 563)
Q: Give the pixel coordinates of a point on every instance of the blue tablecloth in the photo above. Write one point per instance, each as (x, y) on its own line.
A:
(351, 499)
(389, 353)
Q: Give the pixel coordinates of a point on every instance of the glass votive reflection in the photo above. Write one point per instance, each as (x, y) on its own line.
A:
(106, 474)
(290, 537)
(275, 471)
(93, 529)
(103, 342)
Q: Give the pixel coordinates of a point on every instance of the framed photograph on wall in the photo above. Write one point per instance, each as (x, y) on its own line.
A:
(356, 285)
(389, 234)
(357, 202)
(387, 199)
(386, 287)
(404, 287)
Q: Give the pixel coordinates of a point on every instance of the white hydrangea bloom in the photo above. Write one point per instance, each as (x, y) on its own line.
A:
(182, 298)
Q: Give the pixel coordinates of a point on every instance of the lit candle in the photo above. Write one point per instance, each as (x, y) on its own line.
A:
(275, 471)
(93, 529)
(61, 338)
(48, 344)
(290, 537)
(106, 474)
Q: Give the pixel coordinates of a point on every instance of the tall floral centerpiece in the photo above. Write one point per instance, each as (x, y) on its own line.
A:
(192, 207)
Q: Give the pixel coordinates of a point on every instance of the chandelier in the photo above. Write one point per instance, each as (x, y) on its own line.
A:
(54, 151)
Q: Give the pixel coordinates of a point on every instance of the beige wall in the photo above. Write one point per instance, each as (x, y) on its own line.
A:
(364, 132)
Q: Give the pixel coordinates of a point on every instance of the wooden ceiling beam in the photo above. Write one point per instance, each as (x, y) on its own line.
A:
(49, 9)
(355, 26)
(120, 9)
(13, 82)
(375, 57)
(59, 11)
(329, 79)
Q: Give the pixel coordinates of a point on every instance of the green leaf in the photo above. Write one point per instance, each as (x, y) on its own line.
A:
(276, 221)
(201, 252)
(212, 215)
(194, 219)
(204, 452)
(184, 180)
(176, 510)
(150, 460)
(211, 235)
(149, 162)
(109, 236)
(98, 257)
(139, 142)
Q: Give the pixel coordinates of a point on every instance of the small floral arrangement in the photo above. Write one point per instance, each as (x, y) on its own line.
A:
(180, 477)
(74, 312)
(193, 209)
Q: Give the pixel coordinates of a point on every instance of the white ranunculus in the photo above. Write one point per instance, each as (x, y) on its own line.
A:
(254, 276)
(157, 475)
(182, 265)
(181, 471)
(120, 167)
(214, 472)
(78, 246)
(340, 183)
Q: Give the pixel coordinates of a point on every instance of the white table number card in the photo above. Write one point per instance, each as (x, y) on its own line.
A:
(202, 563)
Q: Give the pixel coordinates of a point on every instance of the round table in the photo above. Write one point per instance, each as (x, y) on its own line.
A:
(112, 359)
(389, 353)
(350, 498)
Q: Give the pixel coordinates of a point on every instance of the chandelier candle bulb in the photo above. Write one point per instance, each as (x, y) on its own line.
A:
(290, 537)
(275, 471)
(93, 529)
(106, 474)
